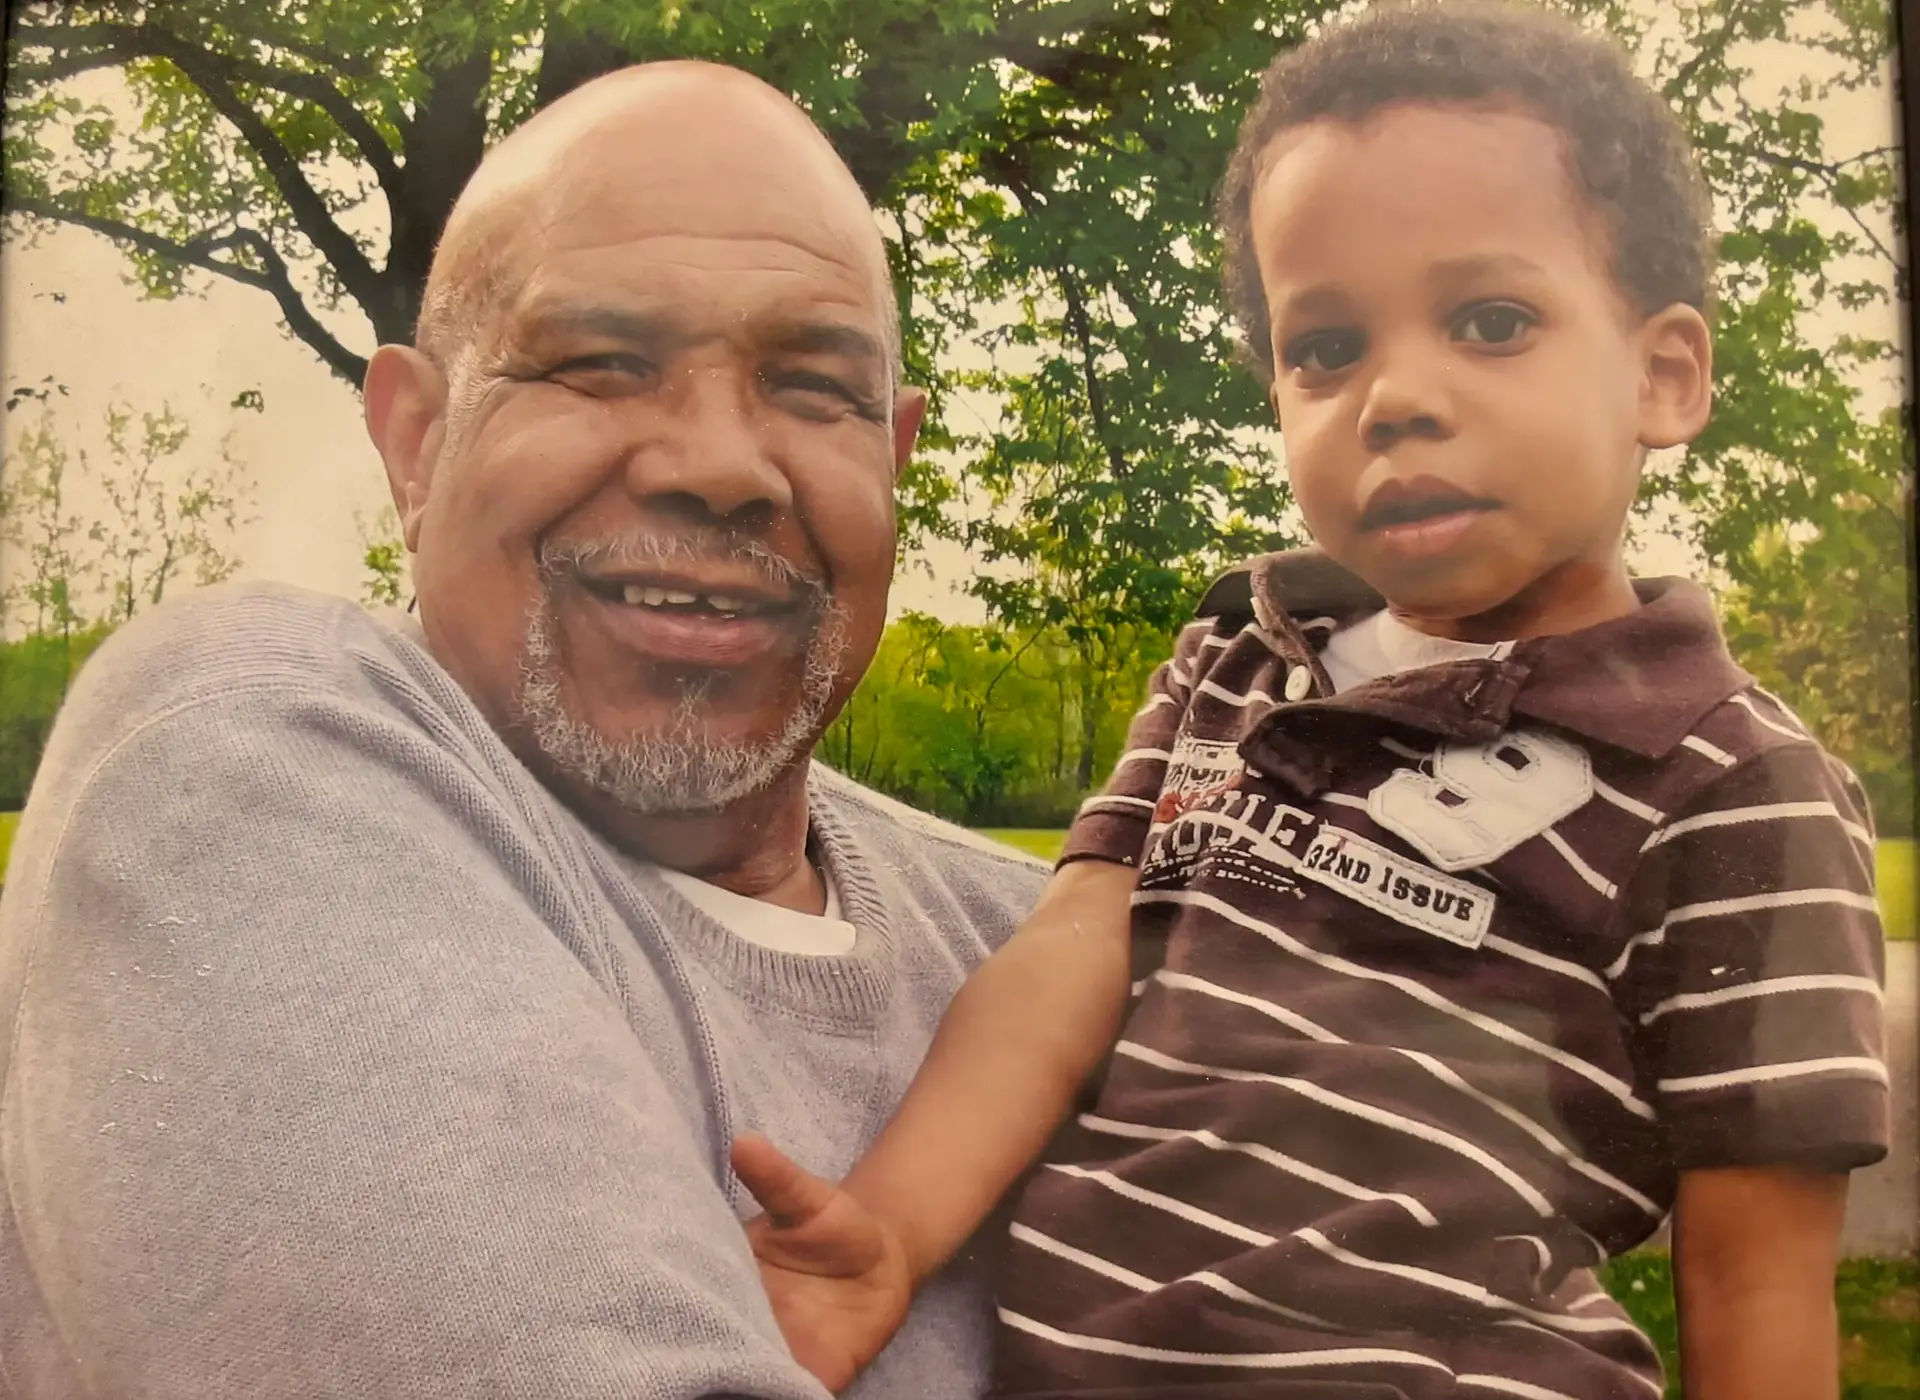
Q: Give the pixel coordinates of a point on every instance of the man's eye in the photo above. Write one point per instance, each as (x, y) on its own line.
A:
(1500, 323)
(1323, 352)
(602, 374)
(812, 384)
(815, 388)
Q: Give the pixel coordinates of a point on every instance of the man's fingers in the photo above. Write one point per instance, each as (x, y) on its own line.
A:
(787, 1192)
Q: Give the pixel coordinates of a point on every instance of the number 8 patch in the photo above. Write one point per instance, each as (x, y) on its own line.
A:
(1482, 800)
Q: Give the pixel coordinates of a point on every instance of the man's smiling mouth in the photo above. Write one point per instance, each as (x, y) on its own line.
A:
(671, 597)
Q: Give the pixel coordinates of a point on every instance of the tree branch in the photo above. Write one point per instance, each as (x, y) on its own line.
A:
(274, 278)
(114, 44)
(1096, 397)
(210, 72)
(1828, 174)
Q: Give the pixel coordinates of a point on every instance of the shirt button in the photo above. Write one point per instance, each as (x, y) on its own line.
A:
(1299, 682)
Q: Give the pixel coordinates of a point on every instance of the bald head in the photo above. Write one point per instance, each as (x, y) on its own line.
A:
(685, 145)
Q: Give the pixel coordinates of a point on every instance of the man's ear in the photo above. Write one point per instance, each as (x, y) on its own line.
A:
(404, 401)
(909, 407)
(1676, 396)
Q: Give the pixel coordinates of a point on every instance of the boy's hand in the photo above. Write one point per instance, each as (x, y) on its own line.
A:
(837, 1277)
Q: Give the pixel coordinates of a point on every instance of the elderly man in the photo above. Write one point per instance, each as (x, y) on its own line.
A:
(377, 1006)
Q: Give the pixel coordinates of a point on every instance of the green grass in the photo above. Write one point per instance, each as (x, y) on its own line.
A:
(8, 821)
(1896, 860)
(1879, 1304)
(1043, 843)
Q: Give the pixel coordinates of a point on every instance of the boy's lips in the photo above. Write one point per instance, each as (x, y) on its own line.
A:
(1422, 517)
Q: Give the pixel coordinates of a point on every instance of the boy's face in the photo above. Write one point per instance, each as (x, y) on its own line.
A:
(1463, 391)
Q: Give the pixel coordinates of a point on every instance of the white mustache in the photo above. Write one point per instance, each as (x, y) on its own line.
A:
(573, 558)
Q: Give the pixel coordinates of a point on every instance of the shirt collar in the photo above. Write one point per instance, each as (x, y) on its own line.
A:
(1641, 682)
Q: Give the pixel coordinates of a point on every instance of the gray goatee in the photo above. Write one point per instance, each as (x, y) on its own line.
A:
(681, 766)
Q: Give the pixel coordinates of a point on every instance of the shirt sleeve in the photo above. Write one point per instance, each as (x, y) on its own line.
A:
(1112, 825)
(309, 1097)
(1756, 971)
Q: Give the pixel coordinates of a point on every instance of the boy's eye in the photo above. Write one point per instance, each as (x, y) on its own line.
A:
(1323, 352)
(1498, 324)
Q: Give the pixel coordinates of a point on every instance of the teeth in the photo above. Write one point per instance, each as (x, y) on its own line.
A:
(637, 595)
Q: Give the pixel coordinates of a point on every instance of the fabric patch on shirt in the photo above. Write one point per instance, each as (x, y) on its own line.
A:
(1404, 890)
(1198, 769)
(1479, 801)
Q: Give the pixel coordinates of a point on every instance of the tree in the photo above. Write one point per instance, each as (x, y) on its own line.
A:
(985, 723)
(1824, 622)
(1043, 169)
(37, 519)
(87, 548)
(164, 521)
(384, 556)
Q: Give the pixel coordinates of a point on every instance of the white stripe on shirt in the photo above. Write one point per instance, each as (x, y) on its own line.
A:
(1773, 811)
(1113, 799)
(1265, 1361)
(1094, 1264)
(1233, 697)
(1418, 991)
(1772, 986)
(1628, 804)
(1791, 731)
(1186, 981)
(1849, 1066)
(1460, 1288)
(1716, 908)
(1712, 751)
(1340, 1103)
(1586, 872)
(1292, 1166)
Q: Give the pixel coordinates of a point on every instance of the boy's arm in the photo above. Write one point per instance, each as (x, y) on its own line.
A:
(1755, 997)
(841, 1263)
(1033, 1022)
(1012, 1051)
(1754, 1252)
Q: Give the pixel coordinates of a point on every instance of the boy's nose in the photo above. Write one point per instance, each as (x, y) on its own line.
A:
(1404, 401)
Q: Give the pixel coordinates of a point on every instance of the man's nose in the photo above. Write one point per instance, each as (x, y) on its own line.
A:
(708, 452)
(1408, 398)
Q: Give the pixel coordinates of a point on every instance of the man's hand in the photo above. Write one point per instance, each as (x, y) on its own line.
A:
(836, 1275)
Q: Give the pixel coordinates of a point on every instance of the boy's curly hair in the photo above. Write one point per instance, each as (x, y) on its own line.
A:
(1626, 152)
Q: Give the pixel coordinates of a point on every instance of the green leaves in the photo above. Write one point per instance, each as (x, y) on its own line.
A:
(1044, 170)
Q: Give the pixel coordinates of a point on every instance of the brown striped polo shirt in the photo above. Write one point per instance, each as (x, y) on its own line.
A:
(1440, 982)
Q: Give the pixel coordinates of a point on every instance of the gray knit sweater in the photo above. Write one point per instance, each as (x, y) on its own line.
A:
(338, 1059)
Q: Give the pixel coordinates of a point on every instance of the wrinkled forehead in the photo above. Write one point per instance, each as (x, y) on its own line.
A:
(718, 224)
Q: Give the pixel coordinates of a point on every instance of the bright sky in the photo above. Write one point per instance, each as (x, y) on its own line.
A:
(311, 463)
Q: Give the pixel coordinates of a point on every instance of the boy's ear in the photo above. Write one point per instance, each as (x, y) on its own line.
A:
(404, 398)
(1676, 396)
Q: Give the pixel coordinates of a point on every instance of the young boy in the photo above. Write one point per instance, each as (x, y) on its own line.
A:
(1486, 912)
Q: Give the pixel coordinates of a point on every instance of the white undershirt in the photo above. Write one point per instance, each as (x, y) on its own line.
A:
(1380, 644)
(772, 926)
